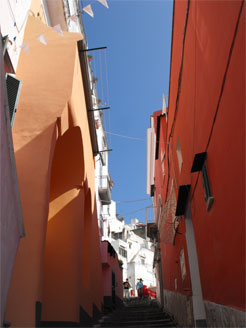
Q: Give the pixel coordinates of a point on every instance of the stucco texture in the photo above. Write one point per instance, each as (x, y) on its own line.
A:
(207, 114)
(11, 227)
(58, 263)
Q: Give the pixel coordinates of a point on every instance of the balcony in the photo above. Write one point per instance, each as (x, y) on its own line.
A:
(104, 188)
(152, 231)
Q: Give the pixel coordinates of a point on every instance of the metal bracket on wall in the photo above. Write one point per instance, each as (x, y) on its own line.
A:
(92, 49)
(96, 109)
(101, 151)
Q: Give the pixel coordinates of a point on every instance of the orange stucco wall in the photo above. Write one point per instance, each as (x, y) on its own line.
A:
(55, 168)
(56, 13)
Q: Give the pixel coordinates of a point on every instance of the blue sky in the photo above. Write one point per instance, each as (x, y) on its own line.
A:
(133, 73)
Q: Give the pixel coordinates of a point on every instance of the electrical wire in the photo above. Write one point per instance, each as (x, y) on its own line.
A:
(222, 88)
(124, 136)
(14, 19)
(178, 93)
(133, 212)
(133, 201)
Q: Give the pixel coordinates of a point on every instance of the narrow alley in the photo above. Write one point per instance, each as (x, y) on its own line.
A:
(122, 163)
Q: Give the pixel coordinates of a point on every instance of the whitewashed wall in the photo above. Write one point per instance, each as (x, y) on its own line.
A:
(13, 17)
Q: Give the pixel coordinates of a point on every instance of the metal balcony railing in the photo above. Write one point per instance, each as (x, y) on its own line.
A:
(105, 189)
(151, 227)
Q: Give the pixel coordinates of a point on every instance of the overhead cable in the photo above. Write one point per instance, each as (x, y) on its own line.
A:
(140, 209)
(133, 201)
(123, 136)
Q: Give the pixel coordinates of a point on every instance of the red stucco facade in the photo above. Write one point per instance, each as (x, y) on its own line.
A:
(112, 277)
(206, 113)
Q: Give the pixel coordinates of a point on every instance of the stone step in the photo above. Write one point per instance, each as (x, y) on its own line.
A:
(134, 326)
(141, 309)
(163, 325)
(139, 323)
(137, 313)
(134, 316)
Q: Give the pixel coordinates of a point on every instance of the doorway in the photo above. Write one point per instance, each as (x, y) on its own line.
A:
(197, 298)
(113, 287)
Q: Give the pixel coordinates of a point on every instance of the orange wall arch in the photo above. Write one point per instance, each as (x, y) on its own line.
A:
(64, 230)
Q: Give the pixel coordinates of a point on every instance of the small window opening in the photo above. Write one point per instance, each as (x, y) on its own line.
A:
(163, 155)
(142, 260)
(122, 252)
(179, 155)
(182, 264)
(209, 199)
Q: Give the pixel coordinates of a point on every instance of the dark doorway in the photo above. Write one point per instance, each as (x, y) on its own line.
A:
(113, 287)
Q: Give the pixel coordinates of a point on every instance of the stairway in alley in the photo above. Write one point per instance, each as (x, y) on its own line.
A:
(137, 313)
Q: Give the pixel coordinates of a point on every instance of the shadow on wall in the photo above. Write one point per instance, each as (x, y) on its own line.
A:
(53, 185)
(66, 229)
(68, 169)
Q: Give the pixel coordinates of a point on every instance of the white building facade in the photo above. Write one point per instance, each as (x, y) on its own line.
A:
(133, 248)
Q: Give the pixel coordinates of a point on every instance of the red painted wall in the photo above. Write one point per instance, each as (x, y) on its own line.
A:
(111, 263)
(171, 269)
(211, 103)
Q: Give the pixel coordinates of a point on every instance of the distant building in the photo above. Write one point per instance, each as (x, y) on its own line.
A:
(196, 168)
(133, 248)
(112, 277)
(103, 180)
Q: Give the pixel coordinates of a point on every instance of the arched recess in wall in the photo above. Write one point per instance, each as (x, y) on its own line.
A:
(68, 168)
(62, 255)
(87, 241)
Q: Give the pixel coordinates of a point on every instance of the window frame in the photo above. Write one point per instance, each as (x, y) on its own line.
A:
(209, 199)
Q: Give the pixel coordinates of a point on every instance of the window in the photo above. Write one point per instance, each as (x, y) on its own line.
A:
(117, 235)
(94, 101)
(97, 124)
(209, 199)
(163, 155)
(179, 155)
(159, 208)
(142, 260)
(182, 264)
(104, 147)
(130, 245)
(122, 251)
